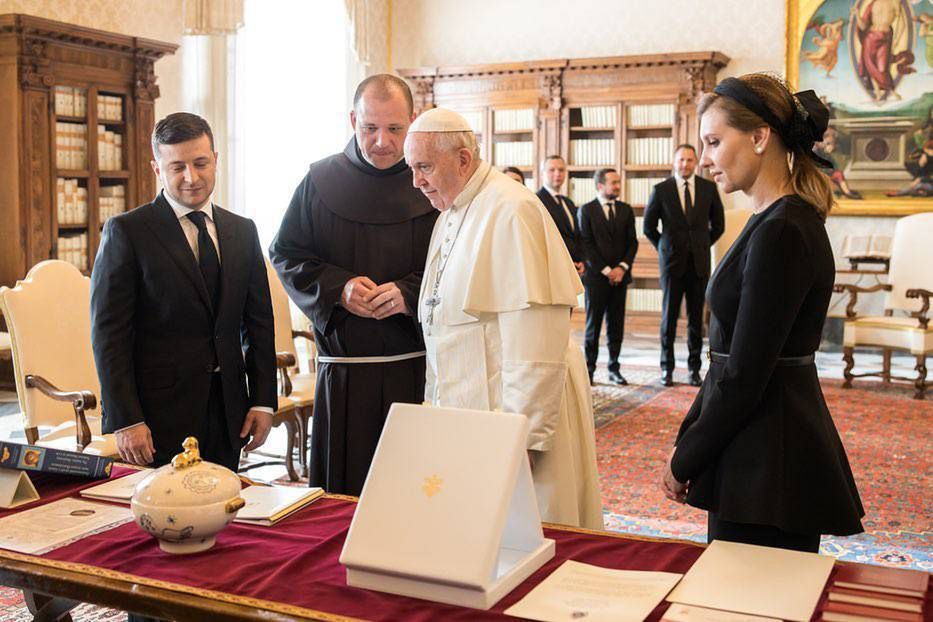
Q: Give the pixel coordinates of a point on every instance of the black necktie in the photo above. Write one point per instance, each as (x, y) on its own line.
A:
(688, 200)
(208, 260)
(612, 215)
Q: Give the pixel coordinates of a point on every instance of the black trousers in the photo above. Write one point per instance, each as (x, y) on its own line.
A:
(213, 444)
(692, 286)
(606, 300)
(762, 535)
(214, 441)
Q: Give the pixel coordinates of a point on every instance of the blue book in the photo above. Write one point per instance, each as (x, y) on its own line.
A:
(48, 460)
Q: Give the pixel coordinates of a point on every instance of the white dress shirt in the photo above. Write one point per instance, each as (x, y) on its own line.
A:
(189, 228)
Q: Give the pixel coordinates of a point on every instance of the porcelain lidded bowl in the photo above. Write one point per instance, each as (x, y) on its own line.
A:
(185, 504)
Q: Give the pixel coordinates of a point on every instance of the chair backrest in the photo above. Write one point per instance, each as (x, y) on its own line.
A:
(735, 222)
(911, 261)
(281, 313)
(48, 315)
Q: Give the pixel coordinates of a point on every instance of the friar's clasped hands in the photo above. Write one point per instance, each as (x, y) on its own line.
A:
(363, 297)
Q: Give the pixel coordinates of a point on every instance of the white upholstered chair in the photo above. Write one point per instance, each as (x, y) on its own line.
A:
(296, 389)
(905, 323)
(48, 317)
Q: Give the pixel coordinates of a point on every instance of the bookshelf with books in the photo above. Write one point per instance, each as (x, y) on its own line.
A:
(82, 109)
(625, 112)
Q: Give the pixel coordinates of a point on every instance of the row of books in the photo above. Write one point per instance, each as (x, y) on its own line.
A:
(109, 108)
(598, 116)
(73, 249)
(514, 154)
(72, 202)
(112, 201)
(582, 190)
(71, 101)
(70, 145)
(638, 189)
(644, 115)
(860, 593)
(109, 149)
(644, 300)
(593, 152)
(649, 151)
(514, 120)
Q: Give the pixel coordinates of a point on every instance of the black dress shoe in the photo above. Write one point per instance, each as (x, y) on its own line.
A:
(695, 380)
(617, 378)
(668, 379)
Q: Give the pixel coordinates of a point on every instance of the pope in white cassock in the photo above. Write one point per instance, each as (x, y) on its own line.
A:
(495, 307)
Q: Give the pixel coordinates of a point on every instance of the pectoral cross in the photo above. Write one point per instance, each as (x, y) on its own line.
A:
(431, 302)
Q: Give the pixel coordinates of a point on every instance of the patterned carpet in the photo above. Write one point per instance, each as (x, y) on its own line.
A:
(887, 435)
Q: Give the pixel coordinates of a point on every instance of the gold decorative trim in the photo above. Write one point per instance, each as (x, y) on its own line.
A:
(890, 207)
(246, 601)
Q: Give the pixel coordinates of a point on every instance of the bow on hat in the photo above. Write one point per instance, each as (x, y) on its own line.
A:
(806, 126)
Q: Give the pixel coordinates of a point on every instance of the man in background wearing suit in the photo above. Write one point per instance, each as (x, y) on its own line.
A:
(561, 208)
(181, 317)
(607, 231)
(692, 215)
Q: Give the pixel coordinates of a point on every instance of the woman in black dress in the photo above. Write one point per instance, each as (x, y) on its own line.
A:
(758, 449)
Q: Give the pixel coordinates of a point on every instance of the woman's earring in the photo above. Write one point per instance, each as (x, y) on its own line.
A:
(758, 149)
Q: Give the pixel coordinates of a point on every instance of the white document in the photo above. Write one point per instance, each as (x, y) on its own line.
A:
(686, 613)
(578, 591)
(118, 490)
(759, 580)
(267, 505)
(16, 488)
(56, 524)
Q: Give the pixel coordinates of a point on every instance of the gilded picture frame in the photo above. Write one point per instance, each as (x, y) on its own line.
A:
(872, 60)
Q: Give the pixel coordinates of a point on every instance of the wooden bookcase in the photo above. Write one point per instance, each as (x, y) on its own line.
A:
(63, 153)
(595, 112)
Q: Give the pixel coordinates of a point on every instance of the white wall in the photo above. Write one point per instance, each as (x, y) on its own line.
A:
(445, 32)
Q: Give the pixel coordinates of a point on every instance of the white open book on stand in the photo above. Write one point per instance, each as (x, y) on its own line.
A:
(448, 512)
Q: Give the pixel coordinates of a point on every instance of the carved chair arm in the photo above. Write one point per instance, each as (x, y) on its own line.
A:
(921, 315)
(303, 333)
(80, 401)
(284, 360)
(854, 291)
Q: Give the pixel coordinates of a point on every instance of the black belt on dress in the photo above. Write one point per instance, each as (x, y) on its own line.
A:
(782, 361)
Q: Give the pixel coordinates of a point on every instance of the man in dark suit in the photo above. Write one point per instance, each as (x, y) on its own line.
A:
(561, 208)
(692, 215)
(607, 231)
(181, 317)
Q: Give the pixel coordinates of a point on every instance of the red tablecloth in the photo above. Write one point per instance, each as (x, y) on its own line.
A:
(293, 567)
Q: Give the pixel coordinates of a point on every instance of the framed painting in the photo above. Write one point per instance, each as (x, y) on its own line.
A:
(871, 61)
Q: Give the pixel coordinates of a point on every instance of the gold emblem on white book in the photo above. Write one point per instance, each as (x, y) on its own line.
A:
(432, 485)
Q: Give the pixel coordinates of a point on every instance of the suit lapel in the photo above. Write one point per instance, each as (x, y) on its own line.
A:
(226, 239)
(163, 222)
(558, 212)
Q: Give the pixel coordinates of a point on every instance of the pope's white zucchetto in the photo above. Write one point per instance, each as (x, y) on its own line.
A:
(439, 120)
